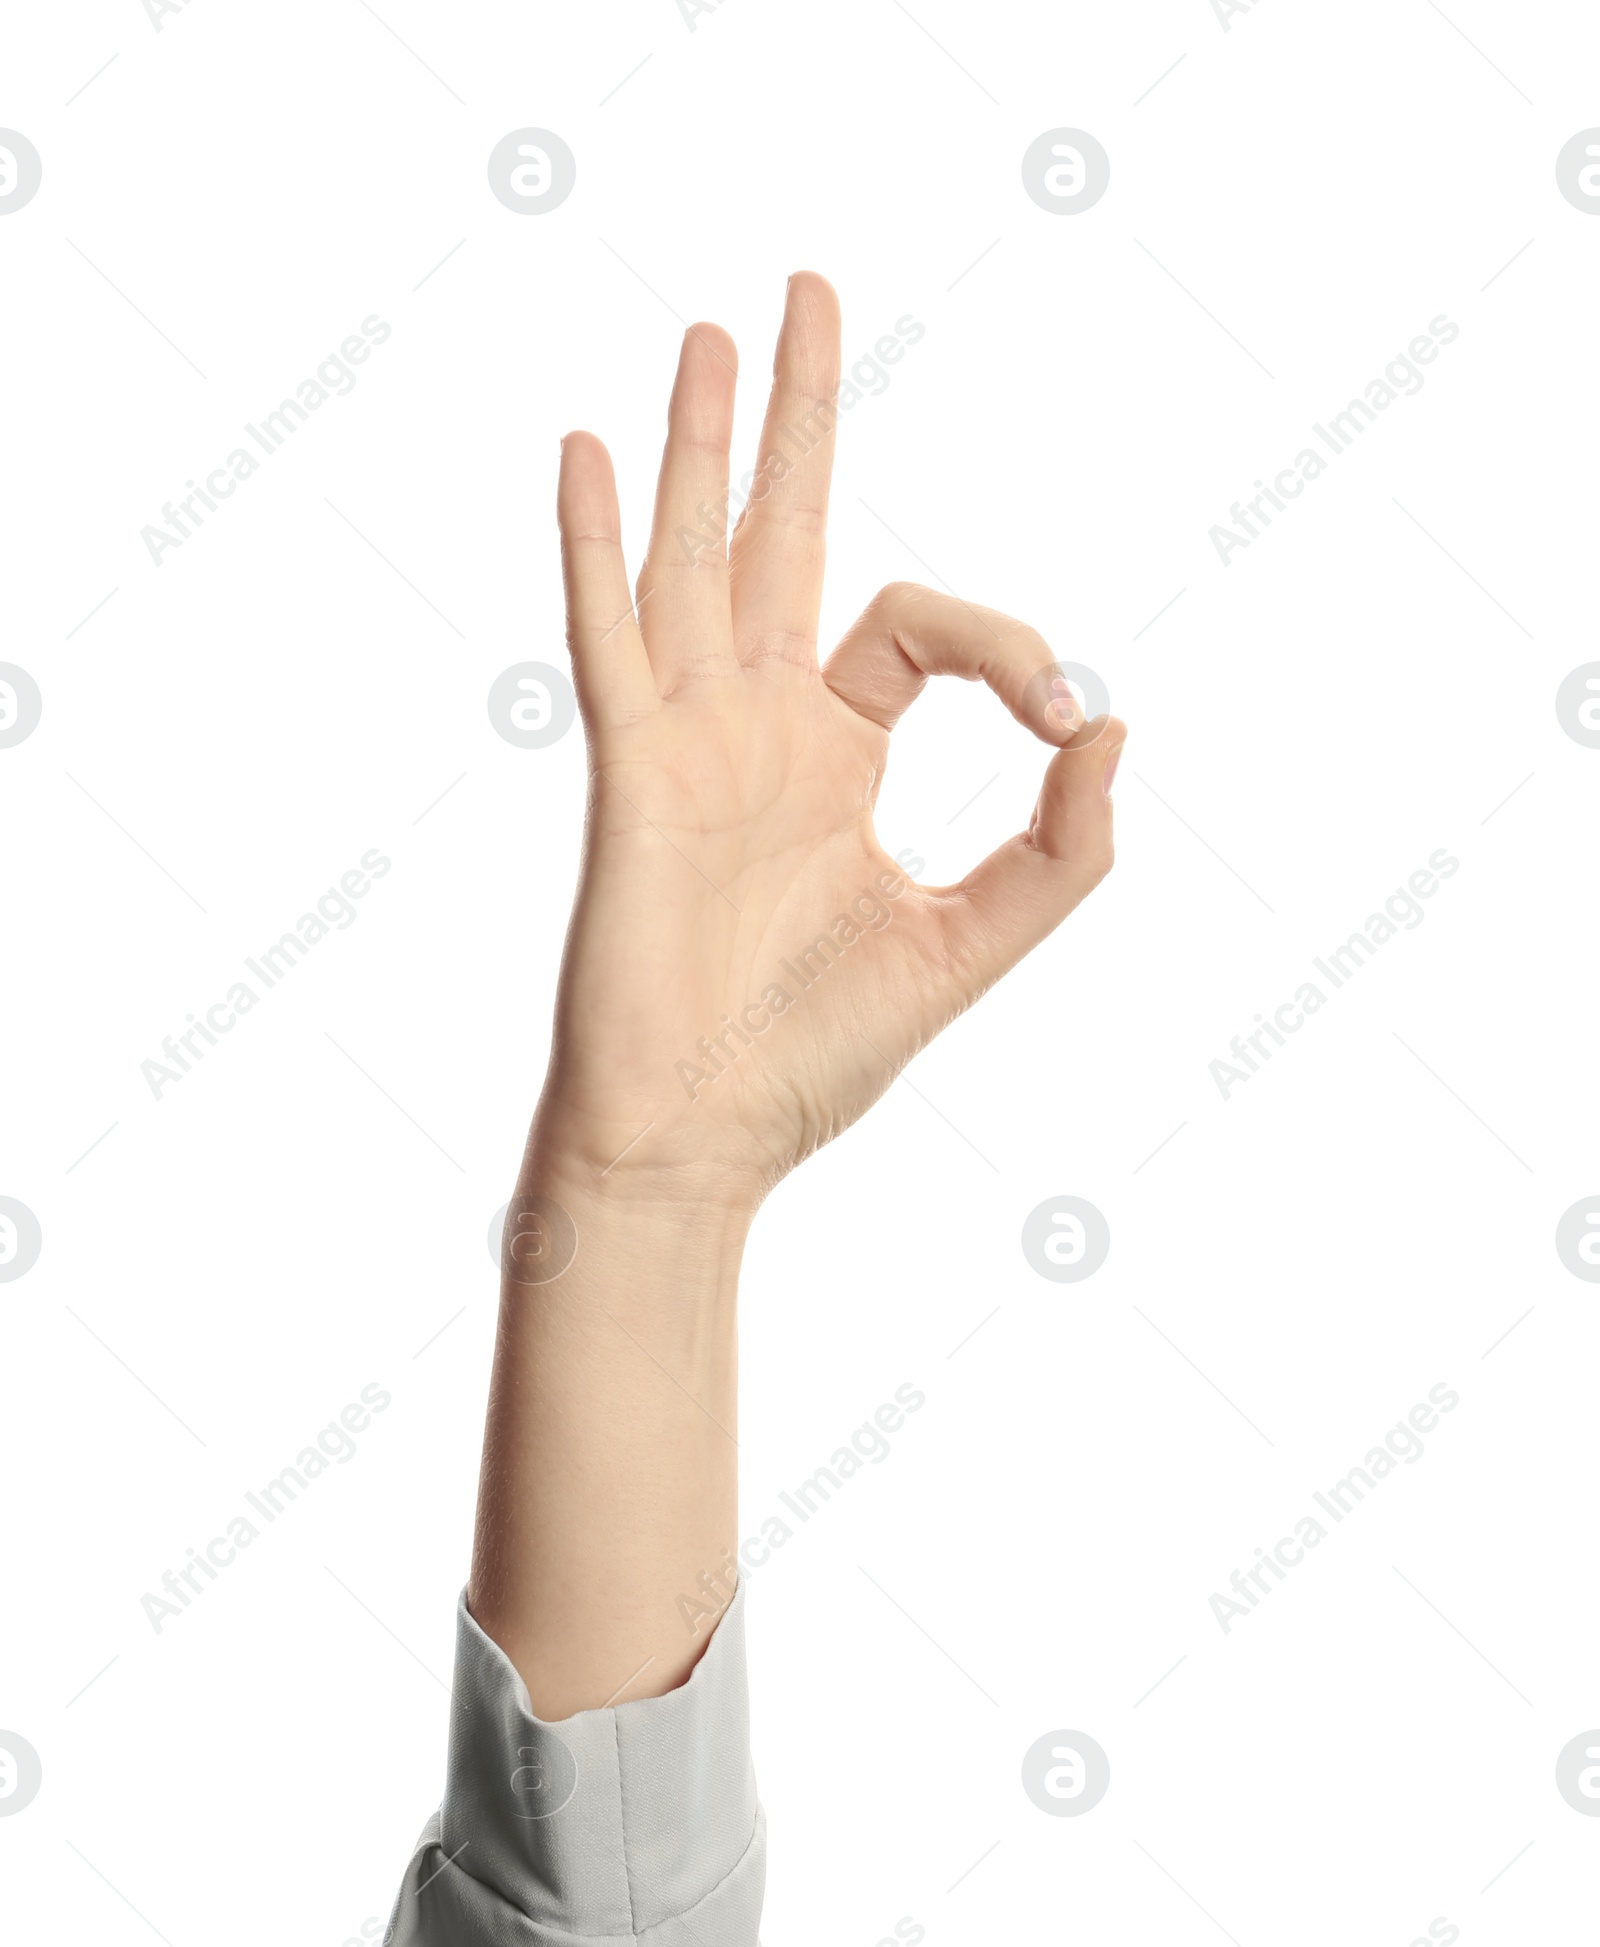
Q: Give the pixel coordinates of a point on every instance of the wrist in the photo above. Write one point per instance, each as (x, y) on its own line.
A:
(645, 1243)
(617, 1171)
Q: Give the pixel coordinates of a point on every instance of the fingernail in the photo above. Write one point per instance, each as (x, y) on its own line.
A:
(1110, 770)
(1063, 708)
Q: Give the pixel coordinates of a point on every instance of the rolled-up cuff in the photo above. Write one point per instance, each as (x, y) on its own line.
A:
(634, 1824)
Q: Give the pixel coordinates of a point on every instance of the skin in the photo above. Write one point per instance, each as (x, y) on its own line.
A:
(729, 823)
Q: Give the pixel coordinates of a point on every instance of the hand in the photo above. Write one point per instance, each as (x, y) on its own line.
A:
(745, 972)
(746, 969)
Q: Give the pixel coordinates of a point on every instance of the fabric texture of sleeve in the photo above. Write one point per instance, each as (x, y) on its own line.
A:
(633, 1826)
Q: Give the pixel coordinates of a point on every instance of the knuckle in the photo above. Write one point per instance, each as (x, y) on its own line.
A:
(1030, 645)
(897, 596)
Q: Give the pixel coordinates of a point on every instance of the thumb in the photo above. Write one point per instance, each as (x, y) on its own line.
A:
(1022, 892)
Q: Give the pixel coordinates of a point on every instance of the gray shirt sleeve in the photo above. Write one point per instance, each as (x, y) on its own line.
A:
(637, 1824)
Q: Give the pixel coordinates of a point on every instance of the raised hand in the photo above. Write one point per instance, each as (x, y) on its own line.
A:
(746, 968)
(745, 972)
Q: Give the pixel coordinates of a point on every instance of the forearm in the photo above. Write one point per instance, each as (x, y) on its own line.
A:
(609, 1482)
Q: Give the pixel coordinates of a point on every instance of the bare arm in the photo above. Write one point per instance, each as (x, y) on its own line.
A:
(609, 1482)
(745, 972)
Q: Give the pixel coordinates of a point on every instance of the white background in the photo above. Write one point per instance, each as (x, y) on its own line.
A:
(307, 1212)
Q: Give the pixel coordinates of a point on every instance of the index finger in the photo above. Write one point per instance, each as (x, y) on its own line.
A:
(907, 634)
